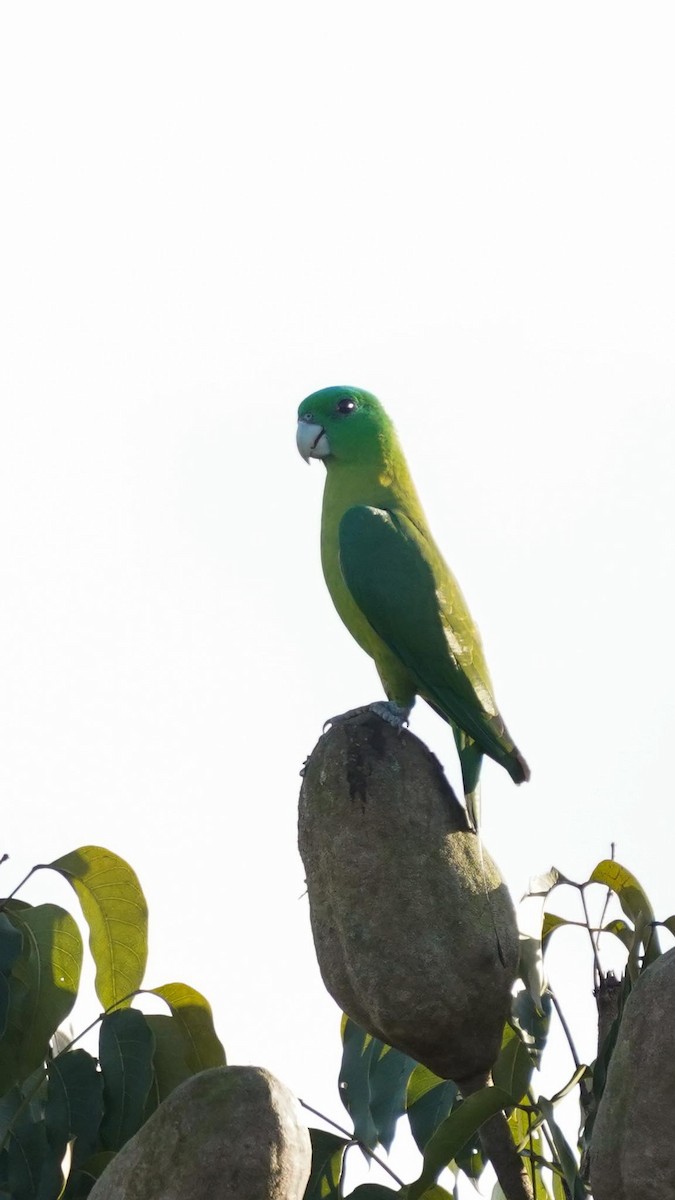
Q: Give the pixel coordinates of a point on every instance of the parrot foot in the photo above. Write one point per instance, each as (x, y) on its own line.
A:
(394, 714)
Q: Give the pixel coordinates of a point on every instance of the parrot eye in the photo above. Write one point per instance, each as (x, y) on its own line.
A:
(345, 406)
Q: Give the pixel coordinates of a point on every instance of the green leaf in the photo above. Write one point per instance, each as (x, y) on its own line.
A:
(541, 885)
(372, 1083)
(421, 1081)
(513, 1069)
(10, 1104)
(11, 943)
(454, 1133)
(553, 921)
(30, 1168)
(559, 1189)
(521, 1122)
(576, 1076)
(625, 933)
(354, 1082)
(534, 929)
(43, 986)
(430, 1100)
(632, 898)
(389, 1075)
(565, 1156)
(126, 1047)
(328, 1152)
(115, 910)
(74, 1107)
(193, 1016)
(169, 1062)
(470, 1159)
(532, 1021)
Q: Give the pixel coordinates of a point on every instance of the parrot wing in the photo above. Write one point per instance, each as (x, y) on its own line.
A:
(403, 587)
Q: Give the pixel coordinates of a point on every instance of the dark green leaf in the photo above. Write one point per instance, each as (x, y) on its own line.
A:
(43, 986)
(532, 1021)
(11, 942)
(328, 1152)
(126, 1047)
(30, 1168)
(192, 1014)
(169, 1061)
(389, 1075)
(115, 910)
(565, 1156)
(354, 1082)
(74, 1107)
(10, 1104)
(454, 1133)
(513, 1069)
(430, 1100)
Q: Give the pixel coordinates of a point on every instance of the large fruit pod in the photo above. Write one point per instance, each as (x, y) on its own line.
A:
(415, 933)
(633, 1140)
(228, 1133)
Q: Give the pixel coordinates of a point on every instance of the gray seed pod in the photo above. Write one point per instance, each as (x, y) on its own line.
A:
(229, 1133)
(633, 1140)
(405, 934)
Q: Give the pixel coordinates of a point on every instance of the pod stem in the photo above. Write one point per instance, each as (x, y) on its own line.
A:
(499, 1148)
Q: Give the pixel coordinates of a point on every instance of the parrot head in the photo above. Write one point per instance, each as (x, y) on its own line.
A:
(340, 423)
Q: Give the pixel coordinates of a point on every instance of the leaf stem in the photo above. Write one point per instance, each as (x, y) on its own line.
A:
(19, 885)
(596, 959)
(354, 1140)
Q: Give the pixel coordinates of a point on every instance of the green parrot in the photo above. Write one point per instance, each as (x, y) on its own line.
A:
(391, 585)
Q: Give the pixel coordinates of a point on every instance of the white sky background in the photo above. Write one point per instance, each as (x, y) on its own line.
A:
(208, 212)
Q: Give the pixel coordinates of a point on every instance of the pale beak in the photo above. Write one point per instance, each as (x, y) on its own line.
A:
(311, 440)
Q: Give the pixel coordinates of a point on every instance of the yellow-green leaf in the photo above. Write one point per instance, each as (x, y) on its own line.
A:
(633, 900)
(115, 910)
(192, 1013)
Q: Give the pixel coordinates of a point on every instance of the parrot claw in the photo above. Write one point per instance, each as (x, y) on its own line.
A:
(394, 714)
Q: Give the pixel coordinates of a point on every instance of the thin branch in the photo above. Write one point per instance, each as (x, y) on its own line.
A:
(596, 958)
(583, 1086)
(566, 1029)
(608, 897)
(354, 1140)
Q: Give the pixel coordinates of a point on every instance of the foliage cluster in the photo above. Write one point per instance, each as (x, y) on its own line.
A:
(64, 1114)
(379, 1085)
